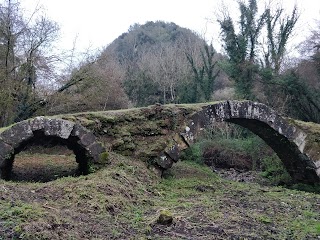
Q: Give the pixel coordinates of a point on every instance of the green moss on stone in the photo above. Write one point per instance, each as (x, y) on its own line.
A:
(165, 217)
(104, 158)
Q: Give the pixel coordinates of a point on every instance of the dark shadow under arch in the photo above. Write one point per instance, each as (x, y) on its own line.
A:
(44, 162)
(297, 164)
(41, 130)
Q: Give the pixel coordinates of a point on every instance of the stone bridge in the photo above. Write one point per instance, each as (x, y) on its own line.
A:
(157, 134)
(40, 130)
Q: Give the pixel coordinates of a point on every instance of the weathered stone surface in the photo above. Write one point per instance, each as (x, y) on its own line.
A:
(173, 152)
(37, 123)
(180, 141)
(283, 127)
(188, 136)
(6, 151)
(58, 127)
(79, 131)
(236, 109)
(222, 110)
(260, 112)
(192, 128)
(18, 133)
(86, 138)
(95, 150)
(300, 140)
(146, 133)
(164, 161)
(209, 113)
(52, 127)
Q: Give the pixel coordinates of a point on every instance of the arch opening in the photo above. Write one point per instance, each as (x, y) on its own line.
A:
(45, 158)
(294, 161)
(38, 163)
(39, 131)
(238, 154)
(290, 143)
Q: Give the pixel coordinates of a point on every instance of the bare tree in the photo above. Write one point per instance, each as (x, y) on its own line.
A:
(95, 85)
(24, 52)
(166, 66)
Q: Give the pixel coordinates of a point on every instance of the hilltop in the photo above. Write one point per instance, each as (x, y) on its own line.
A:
(139, 38)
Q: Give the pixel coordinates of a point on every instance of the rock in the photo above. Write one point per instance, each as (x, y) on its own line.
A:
(52, 127)
(205, 188)
(164, 161)
(86, 137)
(6, 151)
(165, 217)
(18, 133)
(95, 150)
(58, 127)
(173, 152)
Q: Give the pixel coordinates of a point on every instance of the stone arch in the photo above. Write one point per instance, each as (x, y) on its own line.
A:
(286, 139)
(77, 138)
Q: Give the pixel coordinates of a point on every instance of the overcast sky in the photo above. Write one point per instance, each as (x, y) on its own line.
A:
(96, 23)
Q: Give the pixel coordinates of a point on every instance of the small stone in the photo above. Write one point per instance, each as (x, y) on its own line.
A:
(165, 217)
(204, 188)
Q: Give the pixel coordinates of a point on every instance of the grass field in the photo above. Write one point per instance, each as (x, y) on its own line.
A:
(123, 201)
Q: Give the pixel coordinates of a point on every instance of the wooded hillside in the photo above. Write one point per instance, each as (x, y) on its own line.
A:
(158, 62)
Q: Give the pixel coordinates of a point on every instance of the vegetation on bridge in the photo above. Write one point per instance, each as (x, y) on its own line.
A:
(155, 134)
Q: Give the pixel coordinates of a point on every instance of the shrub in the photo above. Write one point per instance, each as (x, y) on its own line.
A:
(193, 153)
(274, 170)
(315, 188)
(225, 145)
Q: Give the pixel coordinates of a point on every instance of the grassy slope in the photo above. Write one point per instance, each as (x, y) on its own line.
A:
(124, 200)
